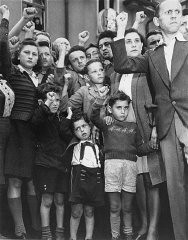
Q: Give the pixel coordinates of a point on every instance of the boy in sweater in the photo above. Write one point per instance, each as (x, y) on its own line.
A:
(122, 145)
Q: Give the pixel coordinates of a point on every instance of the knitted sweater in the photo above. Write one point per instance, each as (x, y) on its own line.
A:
(122, 140)
(53, 136)
(20, 82)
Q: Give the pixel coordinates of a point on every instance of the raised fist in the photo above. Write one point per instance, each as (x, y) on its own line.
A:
(29, 13)
(83, 37)
(140, 17)
(122, 19)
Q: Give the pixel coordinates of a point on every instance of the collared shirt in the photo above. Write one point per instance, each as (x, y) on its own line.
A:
(86, 78)
(89, 159)
(168, 51)
(31, 74)
(125, 84)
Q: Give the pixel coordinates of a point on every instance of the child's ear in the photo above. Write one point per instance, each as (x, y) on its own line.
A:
(109, 109)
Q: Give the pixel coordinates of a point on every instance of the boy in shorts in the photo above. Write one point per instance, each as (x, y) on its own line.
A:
(50, 172)
(87, 188)
(122, 145)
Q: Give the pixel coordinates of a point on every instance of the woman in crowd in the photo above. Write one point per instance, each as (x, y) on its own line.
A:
(6, 104)
(150, 167)
(20, 152)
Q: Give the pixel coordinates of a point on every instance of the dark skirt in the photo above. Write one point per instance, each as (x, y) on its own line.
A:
(87, 186)
(4, 134)
(20, 154)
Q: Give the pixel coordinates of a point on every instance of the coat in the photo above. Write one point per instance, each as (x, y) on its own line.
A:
(170, 96)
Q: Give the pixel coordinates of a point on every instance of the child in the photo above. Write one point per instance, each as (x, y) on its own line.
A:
(86, 95)
(51, 175)
(87, 189)
(122, 144)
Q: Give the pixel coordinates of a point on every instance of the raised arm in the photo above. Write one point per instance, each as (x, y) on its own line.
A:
(5, 60)
(123, 63)
(28, 15)
(139, 19)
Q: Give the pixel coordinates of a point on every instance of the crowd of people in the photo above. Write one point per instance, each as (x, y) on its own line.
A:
(95, 124)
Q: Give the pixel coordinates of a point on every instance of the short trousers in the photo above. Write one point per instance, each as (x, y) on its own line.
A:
(87, 186)
(120, 174)
(50, 180)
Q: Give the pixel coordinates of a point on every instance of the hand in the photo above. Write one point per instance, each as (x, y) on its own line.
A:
(69, 112)
(83, 37)
(153, 140)
(29, 27)
(95, 134)
(29, 13)
(50, 79)
(4, 10)
(140, 17)
(109, 120)
(50, 98)
(121, 21)
(103, 91)
(62, 49)
(67, 77)
(14, 43)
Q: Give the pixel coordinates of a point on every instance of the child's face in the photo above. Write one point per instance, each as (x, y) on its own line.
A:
(96, 72)
(54, 106)
(120, 110)
(82, 129)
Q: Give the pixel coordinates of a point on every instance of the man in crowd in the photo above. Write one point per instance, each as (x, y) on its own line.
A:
(167, 66)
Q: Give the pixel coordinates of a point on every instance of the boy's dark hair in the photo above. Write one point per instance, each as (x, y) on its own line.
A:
(44, 44)
(119, 95)
(78, 115)
(154, 32)
(90, 62)
(106, 34)
(142, 39)
(76, 48)
(44, 88)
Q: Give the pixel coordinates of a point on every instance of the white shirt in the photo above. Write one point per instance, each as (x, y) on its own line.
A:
(89, 159)
(125, 84)
(31, 74)
(168, 51)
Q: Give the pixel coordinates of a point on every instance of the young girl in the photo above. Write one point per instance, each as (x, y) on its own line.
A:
(86, 95)
(20, 152)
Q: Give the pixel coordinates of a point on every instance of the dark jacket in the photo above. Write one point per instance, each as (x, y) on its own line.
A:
(170, 95)
(52, 142)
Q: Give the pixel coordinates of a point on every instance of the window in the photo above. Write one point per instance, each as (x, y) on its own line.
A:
(40, 5)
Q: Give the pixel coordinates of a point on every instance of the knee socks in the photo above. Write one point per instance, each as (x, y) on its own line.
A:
(15, 206)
